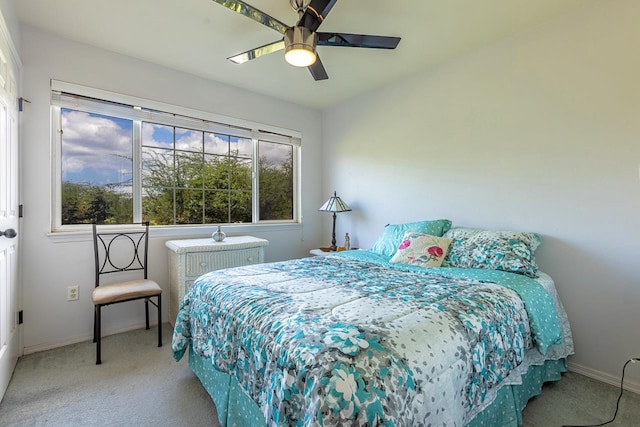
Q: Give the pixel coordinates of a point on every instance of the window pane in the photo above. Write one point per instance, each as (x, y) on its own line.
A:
(241, 147)
(275, 175)
(216, 172)
(157, 205)
(240, 206)
(216, 207)
(189, 207)
(240, 173)
(157, 167)
(188, 170)
(96, 167)
(216, 144)
(188, 140)
(154, 135)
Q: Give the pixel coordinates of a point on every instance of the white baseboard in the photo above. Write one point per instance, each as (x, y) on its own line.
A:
(85, 337)
(632, 386)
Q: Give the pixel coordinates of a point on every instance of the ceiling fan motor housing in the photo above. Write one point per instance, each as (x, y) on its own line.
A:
(298, 39)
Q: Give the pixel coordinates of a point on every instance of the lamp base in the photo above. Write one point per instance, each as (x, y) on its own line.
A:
(334, 246)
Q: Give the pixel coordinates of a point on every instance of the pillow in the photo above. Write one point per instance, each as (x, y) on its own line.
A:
(511, 251)
(388, 243)
(421, 249)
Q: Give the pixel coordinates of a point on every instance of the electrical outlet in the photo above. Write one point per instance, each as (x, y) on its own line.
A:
(72, 293)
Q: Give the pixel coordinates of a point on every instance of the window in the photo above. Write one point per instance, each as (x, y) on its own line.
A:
(123, 160)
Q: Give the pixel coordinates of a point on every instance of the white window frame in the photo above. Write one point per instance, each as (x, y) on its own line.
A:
(170, 115)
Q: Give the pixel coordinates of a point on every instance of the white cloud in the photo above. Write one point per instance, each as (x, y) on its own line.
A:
(275, 153)
(94, 143)
(189, 140)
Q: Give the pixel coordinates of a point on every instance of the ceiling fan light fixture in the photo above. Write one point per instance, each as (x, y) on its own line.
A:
(300, 46)
(301, 57)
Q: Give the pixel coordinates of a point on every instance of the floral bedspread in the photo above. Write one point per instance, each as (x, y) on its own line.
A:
(330, 340)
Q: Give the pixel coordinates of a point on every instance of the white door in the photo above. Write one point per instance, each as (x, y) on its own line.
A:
(10, 297)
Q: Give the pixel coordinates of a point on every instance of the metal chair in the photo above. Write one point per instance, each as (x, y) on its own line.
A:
(119, 252)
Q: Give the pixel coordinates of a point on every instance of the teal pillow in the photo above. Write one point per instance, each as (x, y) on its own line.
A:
(388, 243)
(511, 251)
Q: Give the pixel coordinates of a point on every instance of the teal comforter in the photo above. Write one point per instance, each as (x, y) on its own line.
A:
(353, 339)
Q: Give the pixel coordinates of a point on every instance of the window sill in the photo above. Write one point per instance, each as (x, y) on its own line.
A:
(179, 232)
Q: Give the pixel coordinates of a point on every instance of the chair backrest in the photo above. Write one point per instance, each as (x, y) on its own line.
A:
(119, 251)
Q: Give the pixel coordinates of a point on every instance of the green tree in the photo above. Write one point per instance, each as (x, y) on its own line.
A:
(189, 189)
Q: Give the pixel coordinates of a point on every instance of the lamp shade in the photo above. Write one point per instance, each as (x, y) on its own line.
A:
(334, 204)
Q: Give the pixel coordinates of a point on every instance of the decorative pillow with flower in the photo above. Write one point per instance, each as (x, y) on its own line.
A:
(421, 249)
(387, 244)
(511, 251)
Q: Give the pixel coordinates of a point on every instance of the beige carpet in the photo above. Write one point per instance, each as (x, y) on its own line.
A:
(580, 400)
(139, 384)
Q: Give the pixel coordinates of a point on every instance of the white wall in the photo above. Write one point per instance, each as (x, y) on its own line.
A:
(49, 266)
(539, 132)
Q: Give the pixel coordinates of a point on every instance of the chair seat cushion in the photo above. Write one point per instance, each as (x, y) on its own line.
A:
(122, 291)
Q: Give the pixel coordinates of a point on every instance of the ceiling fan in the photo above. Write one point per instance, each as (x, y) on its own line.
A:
(299, 42)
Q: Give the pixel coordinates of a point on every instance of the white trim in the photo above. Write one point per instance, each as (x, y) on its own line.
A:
(55, 154)
(136, 182)
(182, 232)
(4, 30)
(105, 332)
(60, 86)
(255, 182)
(138, 111)
(632, 386)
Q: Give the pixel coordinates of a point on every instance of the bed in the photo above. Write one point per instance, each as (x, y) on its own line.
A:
(378, 337)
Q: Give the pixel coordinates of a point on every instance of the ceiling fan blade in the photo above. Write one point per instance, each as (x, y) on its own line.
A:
(249, 11)
(317, 70)
(357, 40)
(257, 52)
(315, 13)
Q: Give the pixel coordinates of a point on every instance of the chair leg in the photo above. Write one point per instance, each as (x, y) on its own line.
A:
(97, 332)
(159, 320)
(95, 322)
(146, 310)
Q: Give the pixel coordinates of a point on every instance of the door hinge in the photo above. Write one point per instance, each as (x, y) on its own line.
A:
(21, 102)
(20, 318)
(20, 211)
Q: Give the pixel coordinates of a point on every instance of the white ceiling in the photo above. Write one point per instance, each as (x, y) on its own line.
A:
(196, 36)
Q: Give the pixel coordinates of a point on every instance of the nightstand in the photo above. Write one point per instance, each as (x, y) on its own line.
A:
(191, 258)
(320, 252)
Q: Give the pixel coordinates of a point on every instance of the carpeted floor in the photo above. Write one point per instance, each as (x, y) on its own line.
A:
(139, 384)
(580, 400)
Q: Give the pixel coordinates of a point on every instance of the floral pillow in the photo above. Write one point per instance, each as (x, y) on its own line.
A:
(511, 251)
(421, 249)
(393, 234)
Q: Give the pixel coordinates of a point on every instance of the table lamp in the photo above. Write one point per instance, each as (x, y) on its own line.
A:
(335, 205)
